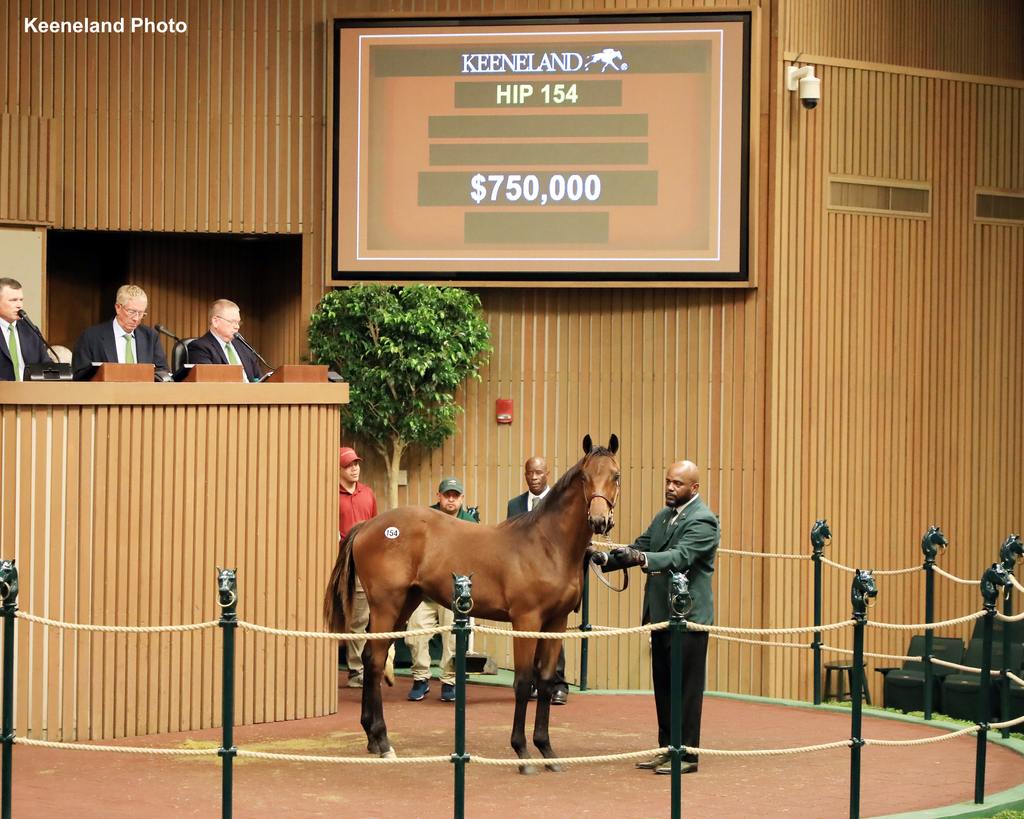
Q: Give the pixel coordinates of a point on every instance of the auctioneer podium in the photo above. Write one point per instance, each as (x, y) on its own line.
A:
(119, 500)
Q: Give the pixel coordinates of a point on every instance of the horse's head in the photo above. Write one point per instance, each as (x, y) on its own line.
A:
(600, 472)
(462, 593)
(862, 590)
(994, 578)
(679, 593)
(227, 587)
(821, 535)
(933, 543)
(8, 581)
(1011, 552)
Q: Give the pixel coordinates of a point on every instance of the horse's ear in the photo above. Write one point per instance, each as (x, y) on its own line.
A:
(613, 444)
(587, 444)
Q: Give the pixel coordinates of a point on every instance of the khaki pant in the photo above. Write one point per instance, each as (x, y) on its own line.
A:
(360, 620)
(429, 614)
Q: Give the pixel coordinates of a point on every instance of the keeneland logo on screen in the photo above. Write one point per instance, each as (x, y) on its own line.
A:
(532, 62)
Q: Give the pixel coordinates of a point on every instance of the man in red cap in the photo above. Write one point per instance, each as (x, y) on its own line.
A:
(356, 502)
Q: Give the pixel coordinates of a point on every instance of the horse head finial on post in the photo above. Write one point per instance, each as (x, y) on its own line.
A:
(821, 536)
(933, 543)
(462, 593)
(1011, 552)
(679, 597)
(8, 583)
(862, 591)
(227, 591)
(995, 576)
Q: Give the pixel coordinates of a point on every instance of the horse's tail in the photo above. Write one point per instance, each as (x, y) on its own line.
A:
(342, 586)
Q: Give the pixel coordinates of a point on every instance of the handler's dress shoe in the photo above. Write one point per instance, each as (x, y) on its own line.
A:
(654, 762)
(559, 697)
(684, 768)
(420, 689)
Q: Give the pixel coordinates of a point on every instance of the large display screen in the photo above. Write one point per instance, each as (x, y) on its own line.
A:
(566, 151)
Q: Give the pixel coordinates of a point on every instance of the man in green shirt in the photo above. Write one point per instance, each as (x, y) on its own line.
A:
(429, 614)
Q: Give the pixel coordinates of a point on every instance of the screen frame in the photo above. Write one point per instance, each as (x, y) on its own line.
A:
(551, 278)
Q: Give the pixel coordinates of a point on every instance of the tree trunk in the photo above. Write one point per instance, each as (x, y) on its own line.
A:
(392, 463)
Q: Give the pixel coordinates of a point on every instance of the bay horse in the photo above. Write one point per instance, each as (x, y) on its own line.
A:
(527, 571)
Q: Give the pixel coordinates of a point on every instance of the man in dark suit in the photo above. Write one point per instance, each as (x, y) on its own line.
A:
(18, 344)
(536, 473)
(683, 537)
(218, 347)
(125, 340)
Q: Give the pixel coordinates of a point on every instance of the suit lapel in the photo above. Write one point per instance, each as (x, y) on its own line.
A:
(110, 344)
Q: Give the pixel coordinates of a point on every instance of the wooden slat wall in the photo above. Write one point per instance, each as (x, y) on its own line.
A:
(894, 400)
(118, 515)
(27, 170)
(946, 35)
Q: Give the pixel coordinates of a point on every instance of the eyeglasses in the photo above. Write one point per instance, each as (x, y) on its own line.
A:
(236, 322)
(132, 313)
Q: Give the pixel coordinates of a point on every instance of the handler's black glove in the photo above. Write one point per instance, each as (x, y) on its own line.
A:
(626, 556)
(599, 558)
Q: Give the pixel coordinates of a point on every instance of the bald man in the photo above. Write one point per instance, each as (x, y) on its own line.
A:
(683, 537)
(536, 475)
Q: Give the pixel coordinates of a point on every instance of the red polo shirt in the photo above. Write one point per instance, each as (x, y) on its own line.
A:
(359, 504)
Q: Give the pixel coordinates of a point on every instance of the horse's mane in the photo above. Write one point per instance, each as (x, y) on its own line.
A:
(560, 486)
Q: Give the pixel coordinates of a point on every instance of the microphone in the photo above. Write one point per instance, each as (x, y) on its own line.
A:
(24, 317)
(240, 337)
(161, 329)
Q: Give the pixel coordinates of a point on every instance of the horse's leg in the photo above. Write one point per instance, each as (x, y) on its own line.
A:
(523, 651)
(547, 660)
(375, 655)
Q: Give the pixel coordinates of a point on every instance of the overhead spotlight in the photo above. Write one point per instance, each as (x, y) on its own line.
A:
(802, 79)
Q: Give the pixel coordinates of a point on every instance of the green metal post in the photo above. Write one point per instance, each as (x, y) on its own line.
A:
(817, 544)
(227, 597)
(1004, 680)
(929, 617)
(984, 707)
(679, 606)
(585, 626)
(9, 597)
(862, 589)
(462, 605)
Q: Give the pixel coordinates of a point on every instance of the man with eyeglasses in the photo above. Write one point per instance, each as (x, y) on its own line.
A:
(219, 345)
(125, 340)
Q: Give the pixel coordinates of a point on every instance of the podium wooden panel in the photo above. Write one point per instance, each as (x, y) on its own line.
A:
(214, 374)
(124, 373)
(119, 503)
(299, 374)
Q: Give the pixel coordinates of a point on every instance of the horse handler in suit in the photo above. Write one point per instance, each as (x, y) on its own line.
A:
(682, 537)
(217, 346)
(125, 340)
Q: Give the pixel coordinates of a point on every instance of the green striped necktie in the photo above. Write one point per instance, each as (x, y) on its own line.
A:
(12, 346)
(129, 353)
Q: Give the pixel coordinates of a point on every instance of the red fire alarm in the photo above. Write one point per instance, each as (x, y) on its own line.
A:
(503, 410)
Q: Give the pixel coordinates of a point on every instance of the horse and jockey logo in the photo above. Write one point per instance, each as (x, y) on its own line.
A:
(606, 58)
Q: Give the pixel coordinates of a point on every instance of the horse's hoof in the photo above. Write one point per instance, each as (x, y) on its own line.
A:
(389, 754)
(529, 770)
(555, 767)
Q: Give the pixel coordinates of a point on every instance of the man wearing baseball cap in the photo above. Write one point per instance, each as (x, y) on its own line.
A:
(428, 614)
(356, 503)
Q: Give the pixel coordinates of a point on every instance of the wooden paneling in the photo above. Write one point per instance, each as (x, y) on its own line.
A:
(894, 396)
(119, 507)
(946, 35)
(27, 169)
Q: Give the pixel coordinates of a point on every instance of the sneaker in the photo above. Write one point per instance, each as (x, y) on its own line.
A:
(420, 689)
(355, 680)
(447, 692)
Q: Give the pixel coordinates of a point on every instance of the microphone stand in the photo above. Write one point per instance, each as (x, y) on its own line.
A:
(251, 349)
(161, 329)
(28, 322)
(53, 371)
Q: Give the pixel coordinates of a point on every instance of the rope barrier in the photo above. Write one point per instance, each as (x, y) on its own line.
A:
(763, 642)
(46, 621)
(903, 657)
(998, 726)
(1014, 618)
(343, 637)
(891, 743)
(1016, 583)
(763, 554)
(1015, 678)
(921, 626)
(566, 760)
(800, 630)
(344, 760)
(606, 631)
(117, 749)
(953, 577)
(803, 749)
(878, 572)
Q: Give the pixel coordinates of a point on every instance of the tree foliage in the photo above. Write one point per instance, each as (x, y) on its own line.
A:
(404, 351)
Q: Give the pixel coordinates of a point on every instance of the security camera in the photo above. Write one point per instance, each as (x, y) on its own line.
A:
(803, 80)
